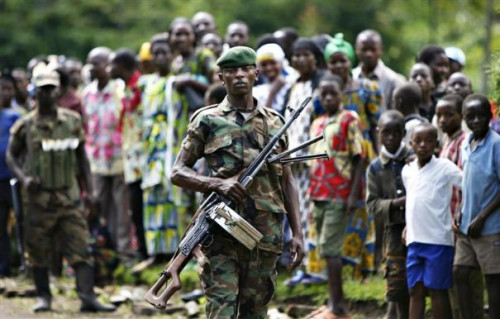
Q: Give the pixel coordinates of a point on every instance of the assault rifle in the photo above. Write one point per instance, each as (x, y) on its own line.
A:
(216, 210)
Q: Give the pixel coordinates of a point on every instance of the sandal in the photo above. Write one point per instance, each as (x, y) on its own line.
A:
(326, 314)
(316, 312)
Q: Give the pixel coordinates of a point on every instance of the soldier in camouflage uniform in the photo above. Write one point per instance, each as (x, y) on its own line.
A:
(239, 283)
(50, 141)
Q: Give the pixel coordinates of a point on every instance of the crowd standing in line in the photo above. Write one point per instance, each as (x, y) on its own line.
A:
(411, 186)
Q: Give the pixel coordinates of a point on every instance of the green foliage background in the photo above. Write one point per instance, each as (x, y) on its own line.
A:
(72, 27)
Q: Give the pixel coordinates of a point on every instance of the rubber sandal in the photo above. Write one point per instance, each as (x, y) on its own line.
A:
(316, 312)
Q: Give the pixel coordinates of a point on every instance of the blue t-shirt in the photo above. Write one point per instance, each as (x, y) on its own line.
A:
(481, 182)
(7, 118)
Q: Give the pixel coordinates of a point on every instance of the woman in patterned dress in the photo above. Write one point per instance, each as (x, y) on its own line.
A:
(165, 116)
(306, 59)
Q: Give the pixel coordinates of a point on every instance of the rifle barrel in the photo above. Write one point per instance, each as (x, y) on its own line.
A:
(303, 158)
(293, 150)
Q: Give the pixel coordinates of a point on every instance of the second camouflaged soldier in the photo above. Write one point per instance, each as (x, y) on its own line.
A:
(239, 283)
(51, 142)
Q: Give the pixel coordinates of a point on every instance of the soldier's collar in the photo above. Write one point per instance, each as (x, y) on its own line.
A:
(226, 107)
(59, 117)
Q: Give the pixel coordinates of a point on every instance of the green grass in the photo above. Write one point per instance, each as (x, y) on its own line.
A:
(373, 289)
(189, 276)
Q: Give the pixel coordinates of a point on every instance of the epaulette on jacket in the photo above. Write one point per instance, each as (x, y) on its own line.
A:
(195, 114)
(67, 112)
(274, 112)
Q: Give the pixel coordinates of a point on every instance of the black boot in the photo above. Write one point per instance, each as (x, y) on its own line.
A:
(43, 299)
(85, 289)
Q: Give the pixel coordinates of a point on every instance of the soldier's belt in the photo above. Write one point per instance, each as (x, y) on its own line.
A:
(235, 225)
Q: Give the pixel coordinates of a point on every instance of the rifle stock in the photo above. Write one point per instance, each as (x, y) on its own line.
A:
(172, 273)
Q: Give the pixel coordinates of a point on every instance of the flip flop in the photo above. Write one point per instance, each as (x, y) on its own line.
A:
(316, 312)
(327, 314)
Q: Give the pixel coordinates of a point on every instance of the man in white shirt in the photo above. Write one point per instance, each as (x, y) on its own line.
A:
(428, 182)
(369, 50)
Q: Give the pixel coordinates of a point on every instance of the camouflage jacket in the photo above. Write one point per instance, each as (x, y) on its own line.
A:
(230, 140)
(48, 147)
(384, 184)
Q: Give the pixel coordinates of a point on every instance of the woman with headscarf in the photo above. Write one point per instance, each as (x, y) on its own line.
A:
(361, 96)
(270, 58)
(364, 98)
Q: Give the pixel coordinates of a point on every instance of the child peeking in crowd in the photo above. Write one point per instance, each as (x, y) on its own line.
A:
(449, 118)
(407, 99)
(386, 197)
(429, 263)
(335, 185)
(421, 75)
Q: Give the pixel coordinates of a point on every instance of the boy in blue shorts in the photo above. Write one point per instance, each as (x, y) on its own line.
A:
(429, 263)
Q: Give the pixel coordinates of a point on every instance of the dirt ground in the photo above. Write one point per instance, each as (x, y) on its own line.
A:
(65, 303)
(65, 307)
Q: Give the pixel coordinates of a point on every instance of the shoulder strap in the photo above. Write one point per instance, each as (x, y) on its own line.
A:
(29, 146)
(196, 113)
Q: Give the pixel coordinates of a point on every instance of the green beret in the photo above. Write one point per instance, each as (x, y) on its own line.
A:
(237, 56)
(338, 44)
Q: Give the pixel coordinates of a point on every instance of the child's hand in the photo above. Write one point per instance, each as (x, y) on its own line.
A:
(351, 203)
(403, 236)
(476, 226)
(310, 218)
(455, 223)
(411, 158)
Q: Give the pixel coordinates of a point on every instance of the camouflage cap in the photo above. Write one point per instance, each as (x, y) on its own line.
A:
(44, 75)
(237, 56)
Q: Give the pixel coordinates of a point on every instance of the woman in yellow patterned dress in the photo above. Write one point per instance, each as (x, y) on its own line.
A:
(165, 116)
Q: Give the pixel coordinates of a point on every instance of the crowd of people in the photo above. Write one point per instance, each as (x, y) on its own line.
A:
(411, 186)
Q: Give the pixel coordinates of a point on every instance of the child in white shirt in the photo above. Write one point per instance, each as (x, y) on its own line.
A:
(428, 182)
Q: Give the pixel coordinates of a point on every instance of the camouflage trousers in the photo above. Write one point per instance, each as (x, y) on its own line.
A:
(237, 283)
(395, 264)
(69, 227)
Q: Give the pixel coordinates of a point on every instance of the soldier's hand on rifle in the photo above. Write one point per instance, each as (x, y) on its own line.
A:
(230, 188)
(31, 184)
(296, 252)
